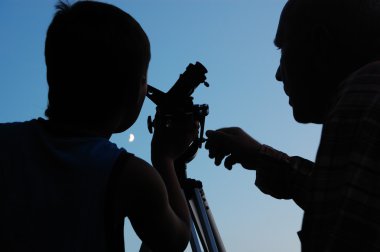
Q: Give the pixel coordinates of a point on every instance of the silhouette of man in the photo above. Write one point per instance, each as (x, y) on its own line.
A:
(330, 69)
(63, 185)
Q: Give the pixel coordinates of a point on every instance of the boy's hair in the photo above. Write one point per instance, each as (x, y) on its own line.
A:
(95, 56)
(353, 26)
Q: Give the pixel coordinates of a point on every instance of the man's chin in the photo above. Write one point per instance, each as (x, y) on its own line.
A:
(306, 117)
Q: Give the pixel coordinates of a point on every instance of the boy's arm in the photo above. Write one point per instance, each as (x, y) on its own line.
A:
(154, 203)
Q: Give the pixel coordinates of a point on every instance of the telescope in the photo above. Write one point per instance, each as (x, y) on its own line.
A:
(177, 104)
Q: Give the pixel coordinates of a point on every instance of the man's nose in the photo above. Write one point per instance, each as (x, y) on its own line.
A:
(278, 74)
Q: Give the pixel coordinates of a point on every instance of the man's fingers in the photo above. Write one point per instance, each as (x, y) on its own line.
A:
(218, 145)
(219, 158)
(215, 135)
(229, 162)
(217, 153)
(211, 153)
(217, 139)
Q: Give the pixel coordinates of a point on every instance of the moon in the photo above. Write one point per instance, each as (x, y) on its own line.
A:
(131, 138)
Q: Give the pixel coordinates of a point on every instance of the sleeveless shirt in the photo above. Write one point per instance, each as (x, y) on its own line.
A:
(53, 189)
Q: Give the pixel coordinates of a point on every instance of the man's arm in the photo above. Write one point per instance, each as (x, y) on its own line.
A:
(284, 177)
(277, 174)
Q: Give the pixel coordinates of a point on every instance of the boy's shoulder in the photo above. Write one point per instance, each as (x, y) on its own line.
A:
(9, 129)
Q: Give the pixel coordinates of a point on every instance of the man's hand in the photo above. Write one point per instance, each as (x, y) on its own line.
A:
(233, 144)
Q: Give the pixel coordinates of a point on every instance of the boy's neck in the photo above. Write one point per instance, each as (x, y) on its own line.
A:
(74, 130)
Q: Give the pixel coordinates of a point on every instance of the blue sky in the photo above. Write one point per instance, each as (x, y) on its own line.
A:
(234, 40)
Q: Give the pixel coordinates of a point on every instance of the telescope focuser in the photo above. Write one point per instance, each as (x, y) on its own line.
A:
(177, 104)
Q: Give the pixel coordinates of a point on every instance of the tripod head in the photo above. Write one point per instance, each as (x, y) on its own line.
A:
(177, 105)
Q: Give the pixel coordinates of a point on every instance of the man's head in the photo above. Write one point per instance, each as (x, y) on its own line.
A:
(322, 42)
(97, 58)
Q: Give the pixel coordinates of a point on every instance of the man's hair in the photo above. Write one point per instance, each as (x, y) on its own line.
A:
(95, 55)
(354, 25)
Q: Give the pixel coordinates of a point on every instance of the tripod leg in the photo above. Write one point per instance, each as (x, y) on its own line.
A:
(211, 219)
(197, 224)
(194, 242)
(204, 221)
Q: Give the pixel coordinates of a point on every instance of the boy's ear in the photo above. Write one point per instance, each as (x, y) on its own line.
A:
(143, 80)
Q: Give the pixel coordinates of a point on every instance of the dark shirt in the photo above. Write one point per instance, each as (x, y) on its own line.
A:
(340, 192)
(53, 189)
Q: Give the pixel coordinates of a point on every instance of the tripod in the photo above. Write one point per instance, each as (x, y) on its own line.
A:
(203, 226)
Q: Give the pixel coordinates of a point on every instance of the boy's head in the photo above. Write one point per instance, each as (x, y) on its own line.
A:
(322, 42)
(97, 58)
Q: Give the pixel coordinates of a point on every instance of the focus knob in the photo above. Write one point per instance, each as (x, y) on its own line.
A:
(150, 124)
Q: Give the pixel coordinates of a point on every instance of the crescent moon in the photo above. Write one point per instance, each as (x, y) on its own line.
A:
(131, 138)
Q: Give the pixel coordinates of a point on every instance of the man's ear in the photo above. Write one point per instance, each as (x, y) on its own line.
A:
(322, 48)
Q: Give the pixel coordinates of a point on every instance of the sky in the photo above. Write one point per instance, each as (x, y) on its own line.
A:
(233, 39)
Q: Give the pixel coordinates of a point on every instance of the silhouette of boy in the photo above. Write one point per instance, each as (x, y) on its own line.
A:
(63, 185)
(330, 68)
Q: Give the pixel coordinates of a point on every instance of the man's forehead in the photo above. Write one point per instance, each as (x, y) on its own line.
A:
(290, 27)
(281, 29)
